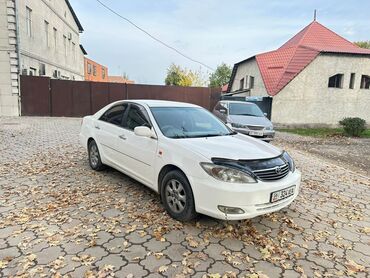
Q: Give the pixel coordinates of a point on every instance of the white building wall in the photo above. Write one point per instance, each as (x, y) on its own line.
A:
(307, 100)
(39, 48)
(55, 50)
(249, 68)
(8, 60)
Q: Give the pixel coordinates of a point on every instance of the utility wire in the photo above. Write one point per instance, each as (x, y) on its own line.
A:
(153, 37)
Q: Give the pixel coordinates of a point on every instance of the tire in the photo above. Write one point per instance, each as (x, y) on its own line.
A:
(177, 196)
(94, 157)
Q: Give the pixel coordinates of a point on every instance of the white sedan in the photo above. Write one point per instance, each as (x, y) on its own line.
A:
(194, 161)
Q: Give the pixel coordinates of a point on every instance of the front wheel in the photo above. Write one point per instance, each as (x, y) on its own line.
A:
(177, 196)
(94, 156)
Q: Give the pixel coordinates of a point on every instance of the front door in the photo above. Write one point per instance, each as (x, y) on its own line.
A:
(137, 152)
(107, 129)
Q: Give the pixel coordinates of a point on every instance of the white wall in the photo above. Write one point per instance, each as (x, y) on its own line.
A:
(8, 60)
(307, 100)
(249, 68)
(36, 49)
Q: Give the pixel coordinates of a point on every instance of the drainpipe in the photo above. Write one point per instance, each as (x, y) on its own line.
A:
(18, 54)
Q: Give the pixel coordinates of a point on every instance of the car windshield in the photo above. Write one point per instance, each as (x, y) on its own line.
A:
(245, 109)
(188, 122)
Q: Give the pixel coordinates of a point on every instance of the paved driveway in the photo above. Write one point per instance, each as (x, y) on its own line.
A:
(58, 217)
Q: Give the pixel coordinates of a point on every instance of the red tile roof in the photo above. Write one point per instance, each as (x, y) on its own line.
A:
(280, 66)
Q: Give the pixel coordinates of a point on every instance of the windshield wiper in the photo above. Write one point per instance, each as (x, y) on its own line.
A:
(246, 114)
(179, 136)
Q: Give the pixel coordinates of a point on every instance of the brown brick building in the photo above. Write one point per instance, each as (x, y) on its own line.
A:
(94, 71)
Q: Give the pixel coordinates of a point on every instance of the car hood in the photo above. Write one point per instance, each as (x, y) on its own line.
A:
(234, 147)
(249, 120)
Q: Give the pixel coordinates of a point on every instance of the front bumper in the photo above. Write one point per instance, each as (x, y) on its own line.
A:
(268, 135)
(253, 199)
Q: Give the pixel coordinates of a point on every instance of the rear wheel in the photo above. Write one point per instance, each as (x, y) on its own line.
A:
(177, 196)
(94, 156)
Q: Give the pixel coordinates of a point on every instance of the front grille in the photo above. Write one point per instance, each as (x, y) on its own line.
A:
(255, 127)
(272, 174)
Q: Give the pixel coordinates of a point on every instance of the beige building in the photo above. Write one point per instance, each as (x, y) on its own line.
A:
(37, 37)
(316, 78)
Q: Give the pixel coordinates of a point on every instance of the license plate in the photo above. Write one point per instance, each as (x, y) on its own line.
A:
(256, 133)
(282, 194)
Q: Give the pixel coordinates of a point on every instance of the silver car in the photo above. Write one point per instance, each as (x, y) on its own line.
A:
(245, 117)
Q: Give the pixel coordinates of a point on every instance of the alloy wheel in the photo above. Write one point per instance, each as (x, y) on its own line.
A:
(175, 196)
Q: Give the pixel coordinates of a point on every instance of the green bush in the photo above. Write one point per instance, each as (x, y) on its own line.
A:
(353, 126)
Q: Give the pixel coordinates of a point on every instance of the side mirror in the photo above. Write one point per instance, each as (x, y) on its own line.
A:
(144, 131)
(223, 111)
(265, 114)
(229, 126)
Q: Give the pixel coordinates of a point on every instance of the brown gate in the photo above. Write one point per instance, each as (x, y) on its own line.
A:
(42, 96)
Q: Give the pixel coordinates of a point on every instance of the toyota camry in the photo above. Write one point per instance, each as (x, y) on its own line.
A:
(193, 160)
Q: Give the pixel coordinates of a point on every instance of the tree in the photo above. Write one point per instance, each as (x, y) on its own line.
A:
(221, 76)
(363, 44)
(177, 76)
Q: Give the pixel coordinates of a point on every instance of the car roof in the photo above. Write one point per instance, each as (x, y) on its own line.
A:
(159, 103)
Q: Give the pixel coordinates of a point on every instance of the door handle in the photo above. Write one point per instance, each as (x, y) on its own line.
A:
(97, 127)
(123, 137)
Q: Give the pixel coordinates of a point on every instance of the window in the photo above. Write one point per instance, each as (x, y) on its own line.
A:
(29, 21)
(352, 81)
(42, 70)
(136, 116)
(114, 115)
(336, 81)
(365, 82)
(74, 51)
(94, 70)
(245, 109)
(55, 38)
(103, 73)
(251, 82)
(188, 122)
(65, 45)
(241, 84)
(88, 68)
(46, 26)
(32, 71)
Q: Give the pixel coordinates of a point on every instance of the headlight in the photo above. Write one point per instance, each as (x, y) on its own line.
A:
(269, 128)
(237, 125)
(227, 174)
(289, 160)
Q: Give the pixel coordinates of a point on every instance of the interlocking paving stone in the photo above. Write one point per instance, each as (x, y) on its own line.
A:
(74, 220)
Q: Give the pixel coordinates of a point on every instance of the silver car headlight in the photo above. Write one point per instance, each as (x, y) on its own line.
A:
(269, 128)
(289, 160)
(237, 125)
(227, 174)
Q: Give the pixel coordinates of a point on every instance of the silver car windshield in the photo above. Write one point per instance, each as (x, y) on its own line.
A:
(188, 122)
(245, 109)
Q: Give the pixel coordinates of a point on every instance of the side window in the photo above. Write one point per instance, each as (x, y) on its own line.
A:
(136, 116)
(114, 115)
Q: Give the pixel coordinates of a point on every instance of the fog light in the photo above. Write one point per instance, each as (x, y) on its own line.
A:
(230, 210)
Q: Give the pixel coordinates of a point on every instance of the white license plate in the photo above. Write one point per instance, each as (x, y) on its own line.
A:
(256, 133)
(282, 194)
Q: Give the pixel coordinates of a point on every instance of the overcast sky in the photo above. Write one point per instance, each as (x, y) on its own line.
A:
(212, 31)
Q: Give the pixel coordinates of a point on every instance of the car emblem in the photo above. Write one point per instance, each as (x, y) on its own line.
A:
(278, 170)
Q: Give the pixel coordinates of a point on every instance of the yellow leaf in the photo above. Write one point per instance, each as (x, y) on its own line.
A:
(353, 266)
(162, 269)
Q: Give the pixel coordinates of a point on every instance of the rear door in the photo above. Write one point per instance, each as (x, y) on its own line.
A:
(137, 153)
(108, 128)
